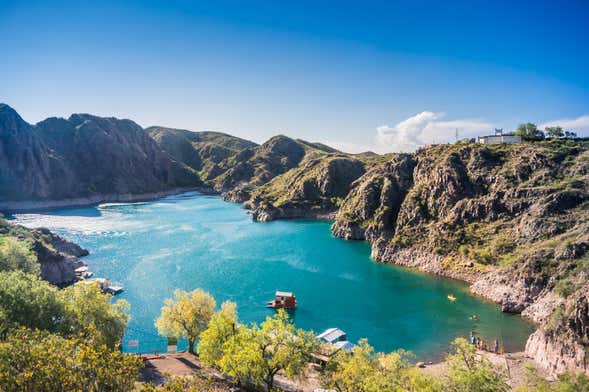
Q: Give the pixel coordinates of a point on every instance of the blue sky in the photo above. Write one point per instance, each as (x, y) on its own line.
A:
(386, 76)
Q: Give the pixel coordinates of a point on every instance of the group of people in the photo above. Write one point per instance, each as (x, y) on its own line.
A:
(480, 344)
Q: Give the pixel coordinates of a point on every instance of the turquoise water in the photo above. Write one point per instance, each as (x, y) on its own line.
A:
(191, 241)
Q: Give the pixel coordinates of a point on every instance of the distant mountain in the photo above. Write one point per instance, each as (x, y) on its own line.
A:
(230, 164)
(83, 156)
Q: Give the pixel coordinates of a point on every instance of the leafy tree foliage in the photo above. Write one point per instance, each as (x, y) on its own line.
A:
(222, 327)
(90, 313)
(17, 255)
(26, 300)
(470, 372)
(187, 315)
(185, 384)
(258, 353)
(40, 361)
(554, 132)
(529, 131)
(364, 371)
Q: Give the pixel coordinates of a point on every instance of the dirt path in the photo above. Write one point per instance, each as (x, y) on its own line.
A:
(158, 368)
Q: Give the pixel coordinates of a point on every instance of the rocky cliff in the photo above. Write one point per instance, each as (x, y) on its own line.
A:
(511, 219)
(314, 189)
(57, 257)
(235, 166)
(82, 157)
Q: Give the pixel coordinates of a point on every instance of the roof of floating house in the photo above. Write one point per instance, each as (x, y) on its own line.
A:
(332, 334)
(344, 345)
(284, 294)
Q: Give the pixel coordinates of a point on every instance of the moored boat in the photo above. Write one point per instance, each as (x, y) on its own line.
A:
(283, 300)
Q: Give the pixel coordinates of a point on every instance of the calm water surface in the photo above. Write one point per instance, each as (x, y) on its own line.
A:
(191, 241)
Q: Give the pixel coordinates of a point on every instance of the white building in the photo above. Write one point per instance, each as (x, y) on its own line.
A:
(498, 137)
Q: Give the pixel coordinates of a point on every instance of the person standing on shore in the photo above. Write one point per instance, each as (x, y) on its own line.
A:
(496, 346)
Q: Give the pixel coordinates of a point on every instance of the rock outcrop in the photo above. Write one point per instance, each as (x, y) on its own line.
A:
(312, 190)
(84, 156)
(58, 258)
(510, 219)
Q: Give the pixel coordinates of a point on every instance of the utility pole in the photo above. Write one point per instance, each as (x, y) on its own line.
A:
(456, 134)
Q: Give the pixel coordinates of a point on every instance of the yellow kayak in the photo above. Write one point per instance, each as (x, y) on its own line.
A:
(451, 297)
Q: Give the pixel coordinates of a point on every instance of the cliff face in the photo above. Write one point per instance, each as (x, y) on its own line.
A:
(511, 219)
(57, 257)
(235, 166)
(313, 189)
(83, 156)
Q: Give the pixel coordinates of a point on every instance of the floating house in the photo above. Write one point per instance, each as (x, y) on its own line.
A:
(498, 137)
(283, 300)
(332, 335)
(343, 345)
(334, 340)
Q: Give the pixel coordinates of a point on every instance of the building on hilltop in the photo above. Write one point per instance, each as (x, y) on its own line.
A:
(498, 137)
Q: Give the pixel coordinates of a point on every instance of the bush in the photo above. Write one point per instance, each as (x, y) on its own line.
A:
(40, 361)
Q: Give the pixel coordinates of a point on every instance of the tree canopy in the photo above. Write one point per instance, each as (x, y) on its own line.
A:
(17, 255)
(221, 328)
(364, 371)
(186, 316)
(40, 361)
(469, 371)
(90, 313)
(529, 131)
(27, 300)
(258, 353)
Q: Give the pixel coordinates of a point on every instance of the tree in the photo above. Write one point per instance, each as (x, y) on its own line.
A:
(364, 371)
(222, 327)
(529, 131)
(187, 315)
(187, 384)
(90, 313)
(27, 300)
(40, 361)
(17, 255)
(570, 135)
(258, 353)
(554, 132)
(470, 372)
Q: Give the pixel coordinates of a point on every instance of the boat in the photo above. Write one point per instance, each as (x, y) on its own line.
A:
(283, 300)
(114, 289)
(451, 297)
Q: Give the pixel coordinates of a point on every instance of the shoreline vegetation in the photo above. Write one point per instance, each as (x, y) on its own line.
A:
(509, 219)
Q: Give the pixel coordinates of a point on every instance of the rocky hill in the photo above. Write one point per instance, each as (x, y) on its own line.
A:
(232, 165)
(84, 157)
(512, 219)
(315, 188)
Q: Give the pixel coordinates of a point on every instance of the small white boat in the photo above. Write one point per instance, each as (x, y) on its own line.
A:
(114, 289)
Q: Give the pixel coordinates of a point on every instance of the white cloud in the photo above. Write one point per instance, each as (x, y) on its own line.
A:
(426, 128)
(351, 148)
(580, 125)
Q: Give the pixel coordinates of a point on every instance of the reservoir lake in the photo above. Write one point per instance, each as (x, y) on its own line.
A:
(193, 241)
